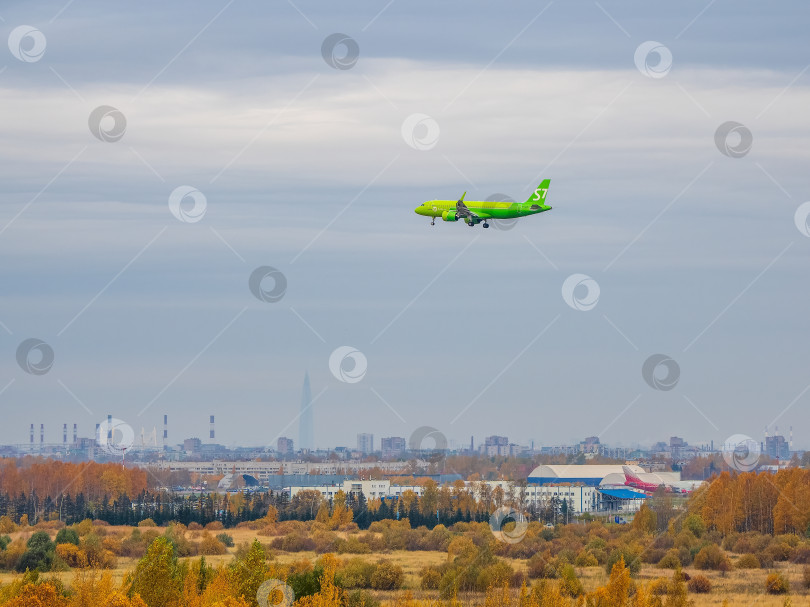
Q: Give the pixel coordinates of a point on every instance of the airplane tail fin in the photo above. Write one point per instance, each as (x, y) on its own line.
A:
(538, 197)
(629, 474)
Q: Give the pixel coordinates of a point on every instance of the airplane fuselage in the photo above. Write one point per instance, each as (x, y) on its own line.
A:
(473, 212)
(483, 208)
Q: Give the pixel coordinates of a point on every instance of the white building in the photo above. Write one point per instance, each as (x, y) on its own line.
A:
(376, 489)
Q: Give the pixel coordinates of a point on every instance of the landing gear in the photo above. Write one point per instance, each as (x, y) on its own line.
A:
(471, 224)
(486, 225)
(433, 221)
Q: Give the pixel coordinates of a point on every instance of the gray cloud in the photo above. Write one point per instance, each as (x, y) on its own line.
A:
(305, 150)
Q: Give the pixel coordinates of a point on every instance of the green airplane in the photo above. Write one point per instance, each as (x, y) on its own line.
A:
(478, 211)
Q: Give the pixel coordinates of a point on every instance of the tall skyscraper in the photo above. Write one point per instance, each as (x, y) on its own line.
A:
(306, 424)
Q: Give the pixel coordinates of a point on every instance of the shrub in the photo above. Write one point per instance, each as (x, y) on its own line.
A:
(765, 559)
(659, 586)
(12, 554)
(776, 583)
(653, 555)
(387, 576)
(194, 526)
(671, 560)
(214, 526)
(742, 545)
(353, 545)
(362, 598)
(495, 575)
(519, 579)
(748, 561)
(97, 556)
(7, 525)
(631, 560)
(67, 536)
(134, 545)
(112, 543)
(39, 553)
(712, 557)
(780, 551)
(4, 541)
(306, 583)
(541, 567)
(431, 577)
(356, 573)
(209, 545)
(71, 555)
(802, 555)
(147, 522)
(569, 582)
(699, 584)
(586, 559)
(695, 524)
(225, 539)
(176, 534)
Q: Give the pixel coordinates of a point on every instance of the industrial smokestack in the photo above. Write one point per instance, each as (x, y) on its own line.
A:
(32, 434)
(42, 434)
(109, 430)
(75, 434)
(64, 434)
(211, 431)
(165, 430)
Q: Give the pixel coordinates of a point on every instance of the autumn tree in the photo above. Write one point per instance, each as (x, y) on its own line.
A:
(157, 577)
(248, 572)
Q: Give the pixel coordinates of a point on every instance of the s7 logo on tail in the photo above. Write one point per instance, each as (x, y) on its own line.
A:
(539, 194)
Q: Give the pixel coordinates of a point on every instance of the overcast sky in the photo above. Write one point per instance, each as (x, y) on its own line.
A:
(691, 236)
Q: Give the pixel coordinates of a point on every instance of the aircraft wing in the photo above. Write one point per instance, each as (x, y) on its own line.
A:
(462, 210)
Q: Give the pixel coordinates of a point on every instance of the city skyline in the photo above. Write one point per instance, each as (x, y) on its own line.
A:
(70, 433)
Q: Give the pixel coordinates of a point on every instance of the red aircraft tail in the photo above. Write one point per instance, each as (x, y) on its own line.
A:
(630, 475)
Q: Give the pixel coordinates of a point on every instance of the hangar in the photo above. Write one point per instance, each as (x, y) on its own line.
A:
(589, 475)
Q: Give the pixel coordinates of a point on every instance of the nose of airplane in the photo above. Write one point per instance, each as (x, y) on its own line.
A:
(420, 210)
